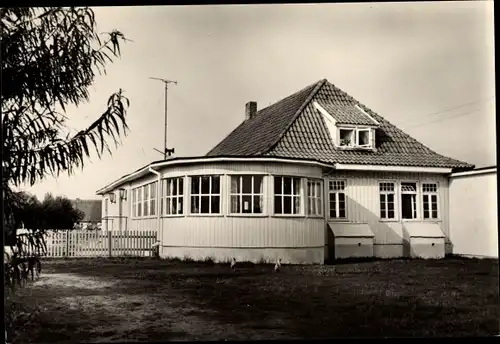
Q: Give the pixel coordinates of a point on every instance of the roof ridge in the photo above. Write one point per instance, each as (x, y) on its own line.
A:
(311, 95)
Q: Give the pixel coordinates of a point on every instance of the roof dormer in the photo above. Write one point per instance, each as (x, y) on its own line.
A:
(349, 125)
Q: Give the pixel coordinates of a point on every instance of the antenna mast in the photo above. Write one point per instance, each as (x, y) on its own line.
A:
(166, 151)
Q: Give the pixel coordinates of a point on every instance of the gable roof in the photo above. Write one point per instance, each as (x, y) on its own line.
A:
(92, 209)
(293, 128)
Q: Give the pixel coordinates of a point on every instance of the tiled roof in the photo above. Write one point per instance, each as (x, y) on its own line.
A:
(293, 128)
(92, 209)
(347, 114)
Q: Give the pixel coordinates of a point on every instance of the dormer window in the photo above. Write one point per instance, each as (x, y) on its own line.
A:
(355, 137)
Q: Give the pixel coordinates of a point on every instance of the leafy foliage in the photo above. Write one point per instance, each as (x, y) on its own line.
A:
(50, 57)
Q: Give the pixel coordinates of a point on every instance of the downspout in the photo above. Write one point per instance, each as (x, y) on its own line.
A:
(157, 205)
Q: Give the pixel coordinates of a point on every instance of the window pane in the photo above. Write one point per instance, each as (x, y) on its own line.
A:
(247, 204)
(287, 204)
(133, 196)
(257, 184)
(153, 190)
(139, 209)
(195, 185)
(215, 200)
(296, 186)
(390, 206)
(341, 211)
(296, 202)
(235, 204)
(382, 214)
(174, 187)
(390, 197)
(333, 206)
(277, 205)
(205, 203)
(235, 184)
(390, 214)
(215, 185)
(205, 185)
(134, 210)
(153, 207)
(382, 199)
(434, 198)
(180, 208)
(310, 206)
(257, 204)
(287, 186)
(168, 209)
(146, 191)
(434, 214)
(277, 185)
(146, 209)
(363, 137)
(426, 214)
(341, 197)
(174, 205)
(195, 205)
(246, 184)
(181, 186)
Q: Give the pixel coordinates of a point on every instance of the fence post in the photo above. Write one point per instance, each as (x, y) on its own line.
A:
(109, 243)
(67, 243)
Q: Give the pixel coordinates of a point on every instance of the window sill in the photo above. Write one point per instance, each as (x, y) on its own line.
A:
(247, 215)
(204, 215)
(288, 215)
(172, 216)
(389, 220)
(144, 217)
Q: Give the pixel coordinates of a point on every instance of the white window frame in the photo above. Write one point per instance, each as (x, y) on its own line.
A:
(429, 201)
(416, 203)
(145, 200)
(152, 200)
(293, 196)
(210, 195)
(355, 137)
(385, 193)
(314, 196)
(133, 201)
(336, 193)
(252, 194)
(170, 198)
(138, 202)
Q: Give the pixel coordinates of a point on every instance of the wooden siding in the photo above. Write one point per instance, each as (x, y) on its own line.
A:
(362, 191)
(243, 232)
(473, 215)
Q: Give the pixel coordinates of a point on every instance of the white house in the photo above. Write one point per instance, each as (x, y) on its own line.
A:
(313, 177)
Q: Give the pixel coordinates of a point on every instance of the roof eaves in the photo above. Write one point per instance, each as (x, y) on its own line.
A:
(297, 113)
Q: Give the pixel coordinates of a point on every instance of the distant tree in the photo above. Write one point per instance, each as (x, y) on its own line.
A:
(59, 213)
(49, 59)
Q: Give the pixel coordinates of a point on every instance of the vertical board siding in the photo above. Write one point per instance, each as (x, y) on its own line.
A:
(473, 215)
(362, 191)
(96, 243)
(243, 232)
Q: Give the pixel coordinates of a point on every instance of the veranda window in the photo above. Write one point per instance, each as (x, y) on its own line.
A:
(247, 194)
(287, 195)
(174, 196)
(314, 197)
(205, 195)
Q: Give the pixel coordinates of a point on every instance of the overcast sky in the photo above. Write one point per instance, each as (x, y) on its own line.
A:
(407, 61)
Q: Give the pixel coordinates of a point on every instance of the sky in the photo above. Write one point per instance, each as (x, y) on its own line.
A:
(427, 67)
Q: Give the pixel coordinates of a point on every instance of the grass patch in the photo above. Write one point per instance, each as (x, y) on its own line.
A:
(169, 299)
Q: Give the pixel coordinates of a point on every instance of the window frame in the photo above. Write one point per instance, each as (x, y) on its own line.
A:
(430, 193)
(336, 192)
(318, 188)
(300, 196)
(417, 199)
(355, 137)
(169, 199)
(262, 195)
(200, 194)
(396, 203)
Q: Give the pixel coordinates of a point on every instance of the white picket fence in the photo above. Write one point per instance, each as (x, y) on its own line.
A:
(83, 243)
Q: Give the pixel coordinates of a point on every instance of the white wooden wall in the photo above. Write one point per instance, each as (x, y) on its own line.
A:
(363, 201)
(473, 214)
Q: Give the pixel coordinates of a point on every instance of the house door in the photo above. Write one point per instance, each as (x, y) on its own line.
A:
(408, 200)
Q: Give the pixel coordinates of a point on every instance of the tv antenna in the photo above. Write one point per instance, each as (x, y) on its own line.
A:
(166, 151)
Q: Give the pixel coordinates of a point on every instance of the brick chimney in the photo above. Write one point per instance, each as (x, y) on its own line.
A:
(250, 110)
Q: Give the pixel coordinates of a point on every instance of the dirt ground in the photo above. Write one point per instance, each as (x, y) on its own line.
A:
(117, 300)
